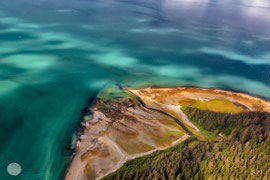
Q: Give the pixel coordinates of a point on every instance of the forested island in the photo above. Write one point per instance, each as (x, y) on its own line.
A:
(174, 133)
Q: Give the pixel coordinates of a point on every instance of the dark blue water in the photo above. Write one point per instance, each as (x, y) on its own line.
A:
(56, 54)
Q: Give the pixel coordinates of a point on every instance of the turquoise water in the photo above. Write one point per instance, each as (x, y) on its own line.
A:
(56, 54)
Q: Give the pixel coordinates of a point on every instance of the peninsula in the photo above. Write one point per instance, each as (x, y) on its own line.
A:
(123, 125)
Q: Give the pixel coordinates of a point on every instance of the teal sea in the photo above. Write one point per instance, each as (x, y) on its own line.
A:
(55, 55)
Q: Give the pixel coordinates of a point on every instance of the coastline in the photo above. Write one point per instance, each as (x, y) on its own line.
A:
(102, 141)
(215, 90)
(86, 111)
(199, 87)
(79, 131)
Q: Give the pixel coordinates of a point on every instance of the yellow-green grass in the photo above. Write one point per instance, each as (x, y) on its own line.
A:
(167, 138)
(196, 133)
(171, 124)
(133, 146)
(202, 134)
(209, 136)
(216, 105)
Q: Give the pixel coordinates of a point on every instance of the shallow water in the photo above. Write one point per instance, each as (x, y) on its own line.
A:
(56, 54)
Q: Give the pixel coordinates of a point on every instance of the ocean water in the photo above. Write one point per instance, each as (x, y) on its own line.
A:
(55, 55)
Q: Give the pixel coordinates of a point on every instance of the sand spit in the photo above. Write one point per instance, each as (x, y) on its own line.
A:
(168, 98)
(171, 96)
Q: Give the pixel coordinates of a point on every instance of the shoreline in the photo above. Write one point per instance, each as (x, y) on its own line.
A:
(79, 131)
(82, 127)
(126, 156)
(198, 87)
(241, 94)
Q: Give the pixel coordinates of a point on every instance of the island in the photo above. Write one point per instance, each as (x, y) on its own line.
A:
(173, 133)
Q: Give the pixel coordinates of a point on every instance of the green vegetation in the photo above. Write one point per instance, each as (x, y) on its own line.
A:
(244, 153)
(216, 105)
(219, 122)
(115, 94)
(206, 135)
(201, 134)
